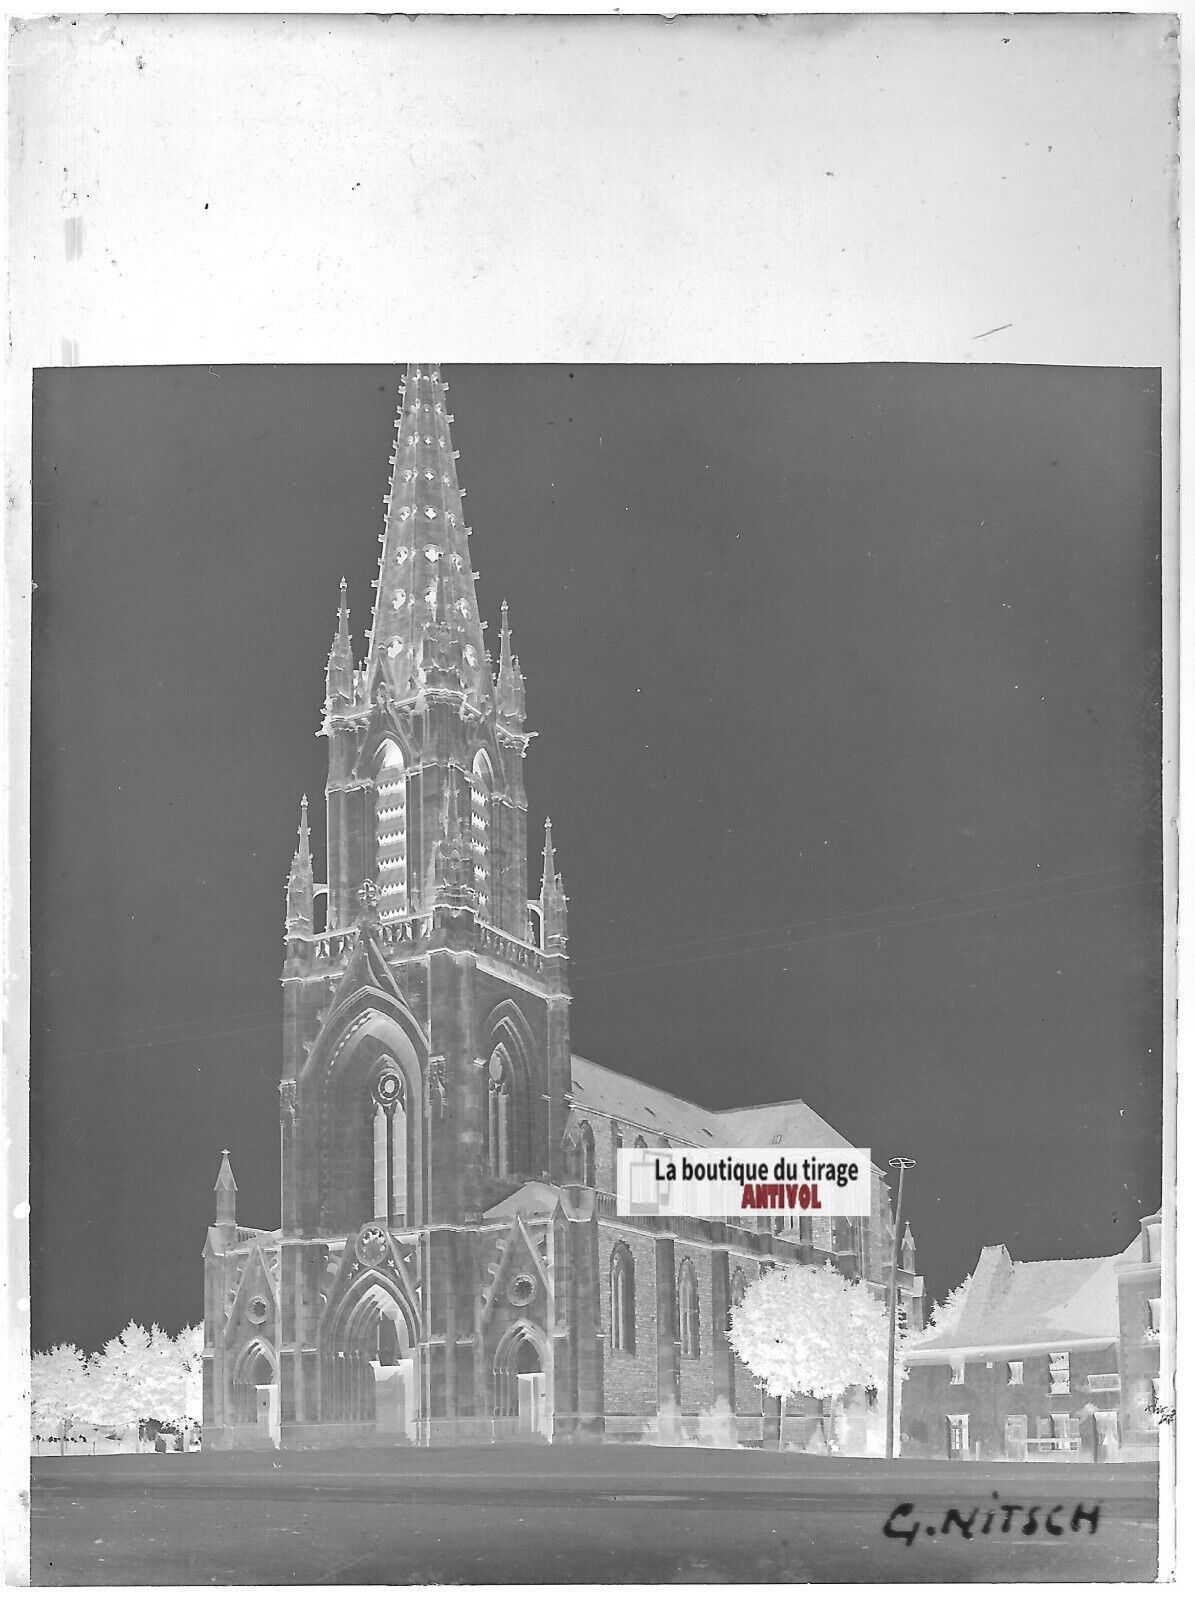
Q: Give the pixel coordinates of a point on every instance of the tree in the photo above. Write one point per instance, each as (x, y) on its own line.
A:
(945, 1315)
(60, 1392)
(810, 1330)
(189, 1345)
(144, 1375)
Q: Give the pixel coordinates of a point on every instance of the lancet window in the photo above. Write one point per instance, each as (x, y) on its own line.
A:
(482, 784)
(390, 786)
(622, 1299)
(391, 1167)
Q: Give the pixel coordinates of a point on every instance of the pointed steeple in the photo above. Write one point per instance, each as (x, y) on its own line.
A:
(425, 571)
(549, 877)
(300, 888)
(226, 1194)
(340, 657)
(553, 904)
(509, 696)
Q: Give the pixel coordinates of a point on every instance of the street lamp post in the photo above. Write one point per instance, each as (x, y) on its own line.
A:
(902, 1162)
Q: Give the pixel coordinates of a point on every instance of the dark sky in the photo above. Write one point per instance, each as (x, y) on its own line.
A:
(847, 686)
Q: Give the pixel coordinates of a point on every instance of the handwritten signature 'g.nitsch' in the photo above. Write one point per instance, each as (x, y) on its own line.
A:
(1004, 1517)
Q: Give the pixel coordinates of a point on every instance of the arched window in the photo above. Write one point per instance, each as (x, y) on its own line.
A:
(690, 1318)
(509, 1136)
(622, 1299)
(391, 1167)
(390, 827)
(482, 784)
(588, 1163)
(615, 1147)
(640, 1143)
(738, 1288)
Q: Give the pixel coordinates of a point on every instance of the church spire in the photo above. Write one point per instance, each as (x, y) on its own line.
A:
(226, 1194)
(300, 889)
(340, 657)
(425, 574)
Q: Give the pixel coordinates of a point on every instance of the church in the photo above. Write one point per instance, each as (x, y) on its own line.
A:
(450, 1265)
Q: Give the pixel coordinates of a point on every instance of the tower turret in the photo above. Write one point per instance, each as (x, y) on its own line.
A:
(300, 886)
(226, 1196)
(340, 657)
(553, 904)
(509, 696)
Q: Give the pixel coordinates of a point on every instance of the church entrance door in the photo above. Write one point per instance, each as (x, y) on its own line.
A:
(394, 1400)
(267, 1411)
(533, 1407)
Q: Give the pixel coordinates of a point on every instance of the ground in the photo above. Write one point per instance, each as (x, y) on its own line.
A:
(529, 1514)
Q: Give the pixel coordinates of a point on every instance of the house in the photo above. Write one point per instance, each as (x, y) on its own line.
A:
(1145, 1390)
(1030, 1361)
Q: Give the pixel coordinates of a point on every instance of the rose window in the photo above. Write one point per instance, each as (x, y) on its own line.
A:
(521, 1290)
(371, 1245)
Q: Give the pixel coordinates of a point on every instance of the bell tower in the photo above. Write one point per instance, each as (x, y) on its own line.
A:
(426, 1063)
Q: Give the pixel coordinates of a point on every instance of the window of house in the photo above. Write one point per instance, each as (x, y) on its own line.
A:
(958, 1434)
(1016, 1432)
(1066, 1432)
(1060, 1372)
(1154, 1329)
(1103, 1382)
(1016, 1372)
(622, 1299)
(690, 1316)
(958, 1372)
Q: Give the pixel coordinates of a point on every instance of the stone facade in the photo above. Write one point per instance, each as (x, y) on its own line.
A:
(444, 1268)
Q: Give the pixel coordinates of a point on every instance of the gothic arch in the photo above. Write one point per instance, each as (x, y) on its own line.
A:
(509, 1042)
(690, 1309)
(339, 1137)
(256, 1367)
(371, 1295)
(389, 850)
(384, 732)
(374, 1324)
(247, 1368)
(622, 1298)
(522, 1344)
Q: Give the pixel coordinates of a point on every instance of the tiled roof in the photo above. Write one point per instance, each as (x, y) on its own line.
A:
(641, 1105)
(1013, 1303)
(791, 1122)
(653, 1111)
